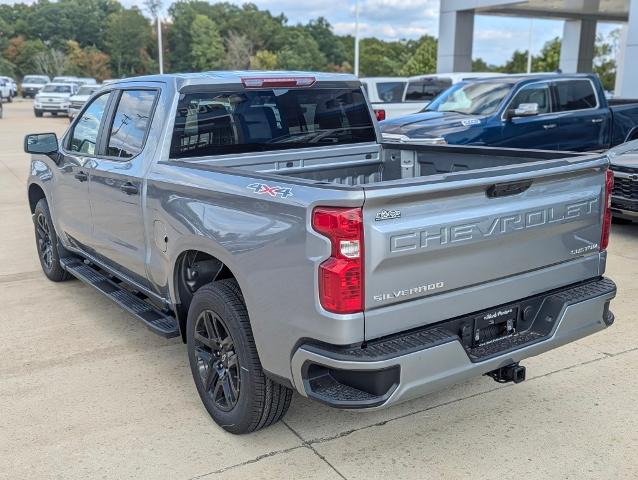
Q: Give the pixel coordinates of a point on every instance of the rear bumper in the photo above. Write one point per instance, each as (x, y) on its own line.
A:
(416, 363)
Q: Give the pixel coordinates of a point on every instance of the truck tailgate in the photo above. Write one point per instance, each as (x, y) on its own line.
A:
(460, 243)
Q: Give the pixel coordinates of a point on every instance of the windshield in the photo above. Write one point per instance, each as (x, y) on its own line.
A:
(476, 98)
(390, 92)
(427, 88)
(35, 79)
(86, 91)
(57, 89)
(259, 120)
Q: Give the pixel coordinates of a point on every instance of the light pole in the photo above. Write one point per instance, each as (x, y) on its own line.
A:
(155, 9)
(159, 45)
(529, 46)
(356, 38)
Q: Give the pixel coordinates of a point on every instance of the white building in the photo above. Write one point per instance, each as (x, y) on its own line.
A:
(456, 32)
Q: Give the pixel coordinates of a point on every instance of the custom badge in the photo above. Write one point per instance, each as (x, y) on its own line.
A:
(387, 215)
(272, 190)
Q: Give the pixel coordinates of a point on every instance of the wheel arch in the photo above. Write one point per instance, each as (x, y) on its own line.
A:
(212, 267)
(35, 194)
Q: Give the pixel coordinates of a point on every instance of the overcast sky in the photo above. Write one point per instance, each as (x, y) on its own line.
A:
(495, 38)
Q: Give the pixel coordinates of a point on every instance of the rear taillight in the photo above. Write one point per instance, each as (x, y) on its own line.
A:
(609, 186)
(380, 114)
(341, 275)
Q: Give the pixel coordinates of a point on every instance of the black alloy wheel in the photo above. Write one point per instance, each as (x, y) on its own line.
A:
(223, 357)
(45, 244)
(217, 360)
(46, 241)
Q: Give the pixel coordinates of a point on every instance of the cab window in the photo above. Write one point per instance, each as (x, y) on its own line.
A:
(85, 131)
(537, 93)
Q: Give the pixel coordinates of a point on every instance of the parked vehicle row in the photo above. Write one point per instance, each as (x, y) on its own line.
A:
(62, 99)
(246, 211)
(32, 84)
(550, 112)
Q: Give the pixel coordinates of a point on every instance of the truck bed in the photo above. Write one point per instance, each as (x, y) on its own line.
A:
(380, 164)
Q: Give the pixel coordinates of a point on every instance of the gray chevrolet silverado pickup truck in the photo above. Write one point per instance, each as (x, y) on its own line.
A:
(259, 217)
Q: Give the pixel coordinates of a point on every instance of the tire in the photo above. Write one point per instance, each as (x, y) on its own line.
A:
(219, 337)
(54, 114)
(38, 113)
(46, 241)
(10, 98)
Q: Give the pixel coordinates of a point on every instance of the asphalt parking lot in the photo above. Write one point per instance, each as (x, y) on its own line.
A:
(86, 391)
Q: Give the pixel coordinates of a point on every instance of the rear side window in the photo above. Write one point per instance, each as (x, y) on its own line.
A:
(390, 92)
(575, 95)
(212, 123)
(426, 89)
(130, 123)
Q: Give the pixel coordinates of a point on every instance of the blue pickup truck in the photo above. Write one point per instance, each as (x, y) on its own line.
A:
(542, 111)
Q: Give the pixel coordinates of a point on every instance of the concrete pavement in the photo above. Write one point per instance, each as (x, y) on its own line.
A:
(88, 392)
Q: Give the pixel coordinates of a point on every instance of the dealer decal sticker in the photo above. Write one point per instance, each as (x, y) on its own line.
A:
(272, 190)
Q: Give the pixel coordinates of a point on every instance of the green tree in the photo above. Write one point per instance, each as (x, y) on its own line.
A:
(22, 54)
(180, 39)
(379, 58)
(263, 60)
(127, 38)
(321, 30)
(51, 62)
(423, 60)
(301, 52)
(6, 67)
(238, 51)
(549, 58)
(605, 59)
(63, 20)
(88, 62)
(516, 64)
(207, 51)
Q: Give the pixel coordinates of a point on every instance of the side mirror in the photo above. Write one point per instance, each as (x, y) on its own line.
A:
(523, 110)
(41, 143)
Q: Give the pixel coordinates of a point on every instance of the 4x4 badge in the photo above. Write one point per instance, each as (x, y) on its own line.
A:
(272, 190)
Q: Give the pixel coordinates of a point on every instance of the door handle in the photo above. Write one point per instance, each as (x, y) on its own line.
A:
(596, 120)
(81, 176)
(129, 188)
(549, 126)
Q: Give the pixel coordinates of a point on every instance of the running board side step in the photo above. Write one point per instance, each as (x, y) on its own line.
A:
(159, 322)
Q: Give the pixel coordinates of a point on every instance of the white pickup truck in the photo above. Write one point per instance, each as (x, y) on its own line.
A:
(393, 97)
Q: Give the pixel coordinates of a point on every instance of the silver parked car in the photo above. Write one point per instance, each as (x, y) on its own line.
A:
(77, 101)
(32, 84)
